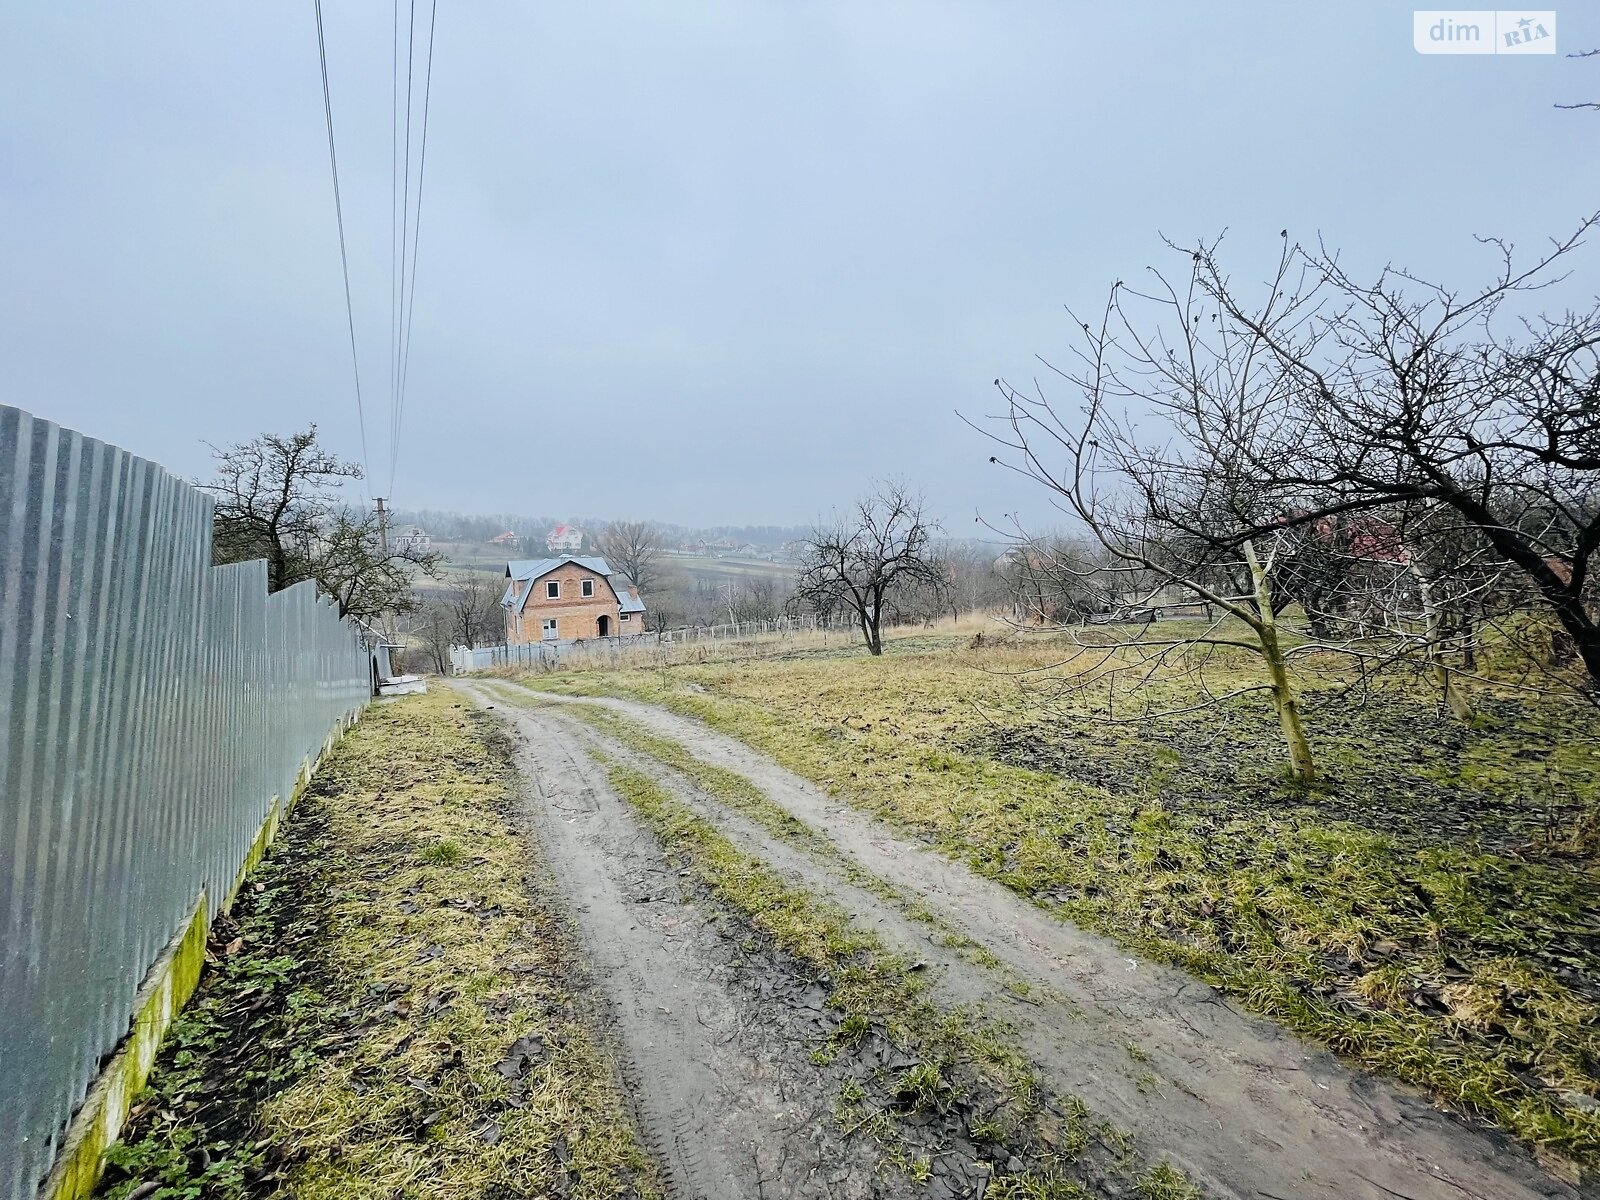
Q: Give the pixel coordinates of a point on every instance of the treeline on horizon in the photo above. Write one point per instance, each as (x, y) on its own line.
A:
(447, 525)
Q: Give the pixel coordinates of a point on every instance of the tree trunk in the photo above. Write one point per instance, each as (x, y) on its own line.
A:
(1583, 633)
(875, 634)
(869, 630)
(1454, 694)
(1301, 767)
(874, 615)
(277, 564)
(1563, 648)
(1317, 616)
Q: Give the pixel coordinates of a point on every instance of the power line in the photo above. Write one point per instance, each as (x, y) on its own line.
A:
(344, 256)
(416, 227)
(397, 322)
(394, 218)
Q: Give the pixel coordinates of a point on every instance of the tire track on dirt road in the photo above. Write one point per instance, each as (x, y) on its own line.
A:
(1243, 1106)
(725, 1090)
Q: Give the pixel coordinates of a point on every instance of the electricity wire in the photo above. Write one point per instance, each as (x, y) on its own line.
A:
(410, 306)
(344, 256)
(394, 213)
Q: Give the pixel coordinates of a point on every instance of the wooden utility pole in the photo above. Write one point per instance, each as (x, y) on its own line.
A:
(388, 622)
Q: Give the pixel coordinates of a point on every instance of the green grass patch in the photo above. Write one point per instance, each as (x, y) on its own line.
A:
(442, 854)
(1165, 1182)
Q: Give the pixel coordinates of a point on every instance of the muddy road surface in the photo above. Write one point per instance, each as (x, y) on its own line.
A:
(724, 1090)
(718, 1049)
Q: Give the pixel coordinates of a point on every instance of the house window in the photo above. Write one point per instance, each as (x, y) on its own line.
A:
(550, 629)
(552, 589)
(627, 616)
(588, 588)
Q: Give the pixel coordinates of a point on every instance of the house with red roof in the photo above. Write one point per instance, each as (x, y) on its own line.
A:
(564, 539)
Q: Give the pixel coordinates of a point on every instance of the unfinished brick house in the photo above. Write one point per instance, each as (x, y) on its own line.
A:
(567, 598)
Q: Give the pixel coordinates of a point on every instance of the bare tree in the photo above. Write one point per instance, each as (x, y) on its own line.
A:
(974, 583)
(634, 548)
(465, 612)
(352, 562)
(755, 599)
(1169, 494)
(1389, 462)
(862, 558)
(432, 627)
(1410, 394)
(666, 612)
(1460, 586)
(1051, 579)
(277, 499)
(472, 604)
(274, 494)
(926, 598)
(821, 604)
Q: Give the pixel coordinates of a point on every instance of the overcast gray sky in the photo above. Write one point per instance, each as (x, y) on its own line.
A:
(705, 262)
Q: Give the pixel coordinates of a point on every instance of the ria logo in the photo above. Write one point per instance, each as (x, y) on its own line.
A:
(1484, 31)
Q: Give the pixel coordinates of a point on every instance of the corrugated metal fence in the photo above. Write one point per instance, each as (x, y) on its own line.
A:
(151, 706)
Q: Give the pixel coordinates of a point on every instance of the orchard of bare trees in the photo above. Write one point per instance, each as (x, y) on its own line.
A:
(1389, 473)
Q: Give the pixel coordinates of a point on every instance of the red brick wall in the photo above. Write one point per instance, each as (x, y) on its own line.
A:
(576, 615)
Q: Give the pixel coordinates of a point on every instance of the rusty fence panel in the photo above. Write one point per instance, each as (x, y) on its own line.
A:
(151, 707)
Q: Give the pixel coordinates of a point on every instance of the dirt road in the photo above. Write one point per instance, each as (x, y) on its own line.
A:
(733, 1103)
(726, 1094)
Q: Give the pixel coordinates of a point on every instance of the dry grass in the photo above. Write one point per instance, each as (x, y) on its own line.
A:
(686, 650)
(463, 965)
(1371, 915)
(400, 1015)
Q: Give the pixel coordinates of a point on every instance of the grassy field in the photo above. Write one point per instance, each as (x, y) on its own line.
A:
(1431, 910)
(395, 1009)
(717, 571)
(479, 556)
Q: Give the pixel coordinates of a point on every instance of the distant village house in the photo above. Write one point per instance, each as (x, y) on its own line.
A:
(564, 539)
(413, 539)
(566, 599)
(508, 540)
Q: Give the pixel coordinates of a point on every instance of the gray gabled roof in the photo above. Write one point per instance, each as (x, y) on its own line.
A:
(533, 569)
